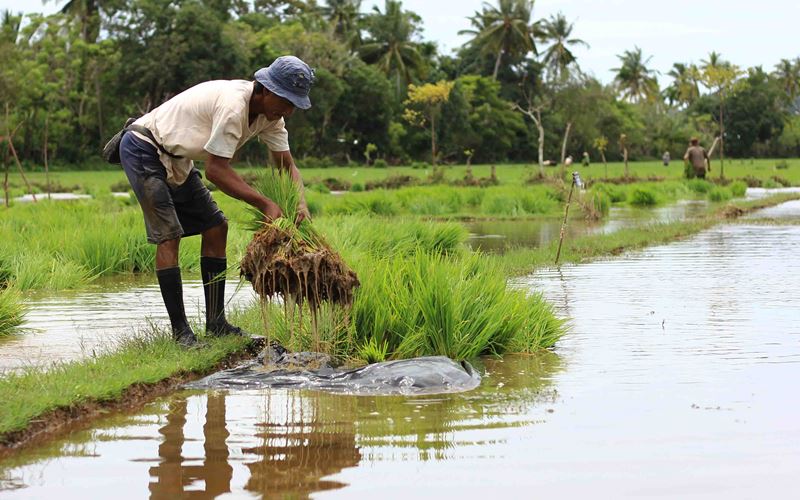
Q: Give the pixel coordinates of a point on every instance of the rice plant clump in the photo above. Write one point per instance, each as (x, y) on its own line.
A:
(719, 194)
(12, 310)
(738, 188)
(293, 260)
(643, 197)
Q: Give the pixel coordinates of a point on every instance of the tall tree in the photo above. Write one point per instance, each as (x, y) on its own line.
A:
(343, 17)
(787, 72)
(685, 88)
(424, 105)
(557, 57)
(391, 44)
(504, 29)
(635, 81)
(720, 76)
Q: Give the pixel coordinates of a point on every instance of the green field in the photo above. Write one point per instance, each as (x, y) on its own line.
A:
(100, 182)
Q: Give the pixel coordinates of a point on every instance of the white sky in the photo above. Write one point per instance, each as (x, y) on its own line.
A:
(745, 32)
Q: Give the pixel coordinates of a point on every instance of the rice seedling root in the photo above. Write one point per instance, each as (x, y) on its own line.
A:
(278, 264)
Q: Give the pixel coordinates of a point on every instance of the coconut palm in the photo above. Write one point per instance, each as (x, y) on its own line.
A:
(634, 80)
(558, 57)
(505, 29)
(788, 74)
(391, 46)
(685, 87)
(342, 17)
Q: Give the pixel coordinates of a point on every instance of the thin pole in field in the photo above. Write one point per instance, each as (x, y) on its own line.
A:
(575, 180)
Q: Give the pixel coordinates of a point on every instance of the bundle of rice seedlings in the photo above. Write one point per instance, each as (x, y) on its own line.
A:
(292, 260)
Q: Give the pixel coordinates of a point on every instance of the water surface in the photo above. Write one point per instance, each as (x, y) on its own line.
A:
(677, 380)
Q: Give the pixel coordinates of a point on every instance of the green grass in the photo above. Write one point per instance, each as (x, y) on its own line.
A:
(99, 182)
(12, 310)
(145, 359)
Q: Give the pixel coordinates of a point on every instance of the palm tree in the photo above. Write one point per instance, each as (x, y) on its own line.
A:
(503, 29)
(788, 74)
(635, 81)
(685, 87)
(558, 57)
(390, 45)
(343, 17)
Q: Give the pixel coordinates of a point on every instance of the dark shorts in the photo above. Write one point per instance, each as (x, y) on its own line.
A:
(169, 212)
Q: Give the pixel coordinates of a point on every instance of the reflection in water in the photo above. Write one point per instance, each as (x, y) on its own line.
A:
(280, 443)
(172, 475)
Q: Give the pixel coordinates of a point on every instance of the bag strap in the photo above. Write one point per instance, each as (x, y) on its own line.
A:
(146, 132)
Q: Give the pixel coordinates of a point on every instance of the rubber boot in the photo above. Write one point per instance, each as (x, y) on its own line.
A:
(169, 280)
(212, 270)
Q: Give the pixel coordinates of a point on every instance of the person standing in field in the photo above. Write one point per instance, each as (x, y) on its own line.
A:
(665, 158)
(697, 160)
(209, 122)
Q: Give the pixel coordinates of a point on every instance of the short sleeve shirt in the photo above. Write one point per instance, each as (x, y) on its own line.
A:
(697, 157)
(211, 117)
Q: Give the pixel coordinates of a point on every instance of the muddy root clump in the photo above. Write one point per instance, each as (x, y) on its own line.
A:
(276, 264)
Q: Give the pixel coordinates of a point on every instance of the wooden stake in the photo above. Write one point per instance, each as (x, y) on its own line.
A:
(566, 213)
(14, 153)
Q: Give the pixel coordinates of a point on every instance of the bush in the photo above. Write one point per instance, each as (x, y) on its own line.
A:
(357, 187)
(782, 165)
(738, 188)
(420, 165)
(380, 163)
(752, 181)
(314, 162)
(319, 188)
(782, 181)
(643, 197)
(718, 194)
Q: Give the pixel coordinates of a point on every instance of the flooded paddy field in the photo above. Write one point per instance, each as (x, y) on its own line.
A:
(676, 379)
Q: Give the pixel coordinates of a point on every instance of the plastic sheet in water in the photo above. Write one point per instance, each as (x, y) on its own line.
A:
(426, 375)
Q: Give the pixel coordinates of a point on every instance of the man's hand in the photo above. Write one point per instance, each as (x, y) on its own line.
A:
(302, 213)
(271, 211)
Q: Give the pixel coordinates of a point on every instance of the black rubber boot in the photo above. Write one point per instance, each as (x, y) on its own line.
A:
(169, 280)
(212, 270)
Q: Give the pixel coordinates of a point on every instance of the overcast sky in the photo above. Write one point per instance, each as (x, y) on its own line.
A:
(747, 33)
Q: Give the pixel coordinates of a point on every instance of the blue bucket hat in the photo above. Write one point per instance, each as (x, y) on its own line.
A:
(290, 78)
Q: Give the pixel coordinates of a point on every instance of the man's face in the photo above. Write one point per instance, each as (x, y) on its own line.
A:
(277, 107)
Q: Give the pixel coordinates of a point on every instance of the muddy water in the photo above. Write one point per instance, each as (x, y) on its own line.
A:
(678, 379)
(73, 324)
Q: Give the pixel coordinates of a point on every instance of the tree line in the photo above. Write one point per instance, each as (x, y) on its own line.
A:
(514, 92)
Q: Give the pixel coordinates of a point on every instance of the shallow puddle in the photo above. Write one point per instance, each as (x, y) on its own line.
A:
(73, 324)
(678, 379)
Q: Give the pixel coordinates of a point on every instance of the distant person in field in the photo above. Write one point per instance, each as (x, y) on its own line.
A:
(585, 160)
(697, 160)
(666, 158)
(209, 122)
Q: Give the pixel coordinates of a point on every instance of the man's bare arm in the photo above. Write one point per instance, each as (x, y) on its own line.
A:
(220, 172)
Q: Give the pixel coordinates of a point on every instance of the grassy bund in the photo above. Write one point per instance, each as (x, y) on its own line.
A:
(423, 291)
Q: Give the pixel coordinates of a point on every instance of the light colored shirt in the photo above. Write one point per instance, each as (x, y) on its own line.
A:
(211, 117)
